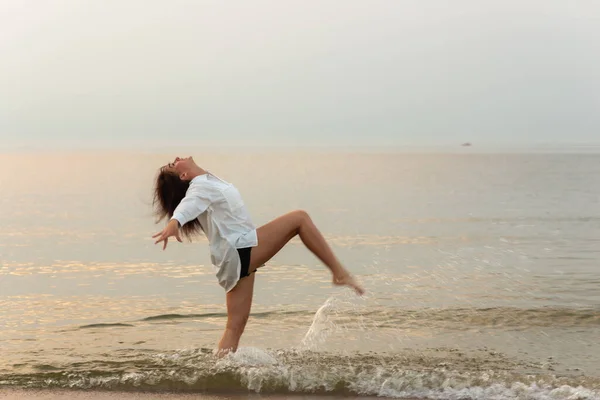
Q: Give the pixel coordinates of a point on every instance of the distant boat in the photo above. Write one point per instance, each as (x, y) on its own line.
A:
(467, 144)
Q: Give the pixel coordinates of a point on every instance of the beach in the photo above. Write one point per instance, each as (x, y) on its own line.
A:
(96, 395)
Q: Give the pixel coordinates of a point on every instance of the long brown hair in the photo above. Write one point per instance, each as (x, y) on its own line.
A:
(169, 190)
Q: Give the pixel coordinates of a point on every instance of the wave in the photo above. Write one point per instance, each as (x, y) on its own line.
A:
(105, 325)
(265, 314)
(164, 317)
(507, 317)
(415, 375)
(388, 317)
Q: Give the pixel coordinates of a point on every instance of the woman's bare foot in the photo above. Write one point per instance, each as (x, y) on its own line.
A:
(348, 280)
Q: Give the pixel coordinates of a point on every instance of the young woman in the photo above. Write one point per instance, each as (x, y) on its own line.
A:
(194, 200)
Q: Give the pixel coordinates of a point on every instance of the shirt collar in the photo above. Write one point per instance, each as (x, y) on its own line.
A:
(199, 178)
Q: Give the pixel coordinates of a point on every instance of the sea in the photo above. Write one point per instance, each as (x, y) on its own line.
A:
(481, 270)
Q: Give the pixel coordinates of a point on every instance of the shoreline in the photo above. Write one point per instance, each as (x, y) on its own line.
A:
(95, 394)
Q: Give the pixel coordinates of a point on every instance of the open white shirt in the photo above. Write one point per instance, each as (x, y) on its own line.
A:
(220, 209)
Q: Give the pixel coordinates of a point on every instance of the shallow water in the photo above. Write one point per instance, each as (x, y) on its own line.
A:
(481, 271)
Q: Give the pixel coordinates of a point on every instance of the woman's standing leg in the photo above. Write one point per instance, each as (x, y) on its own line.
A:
(239, 303)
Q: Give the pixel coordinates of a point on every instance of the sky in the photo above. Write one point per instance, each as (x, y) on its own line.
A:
(152, 73)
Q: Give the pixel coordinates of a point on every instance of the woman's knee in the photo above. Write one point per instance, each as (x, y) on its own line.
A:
(301, 216)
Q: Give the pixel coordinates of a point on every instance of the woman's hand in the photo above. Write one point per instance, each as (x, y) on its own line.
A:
(172, 229)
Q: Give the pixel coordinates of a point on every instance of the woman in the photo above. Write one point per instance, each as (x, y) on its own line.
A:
(195, 200)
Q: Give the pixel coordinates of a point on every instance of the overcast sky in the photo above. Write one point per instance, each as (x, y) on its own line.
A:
(283, 72)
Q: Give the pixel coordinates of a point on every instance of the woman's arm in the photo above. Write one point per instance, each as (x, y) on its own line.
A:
(194, 203)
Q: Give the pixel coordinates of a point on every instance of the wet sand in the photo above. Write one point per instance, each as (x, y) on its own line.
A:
(31, 394)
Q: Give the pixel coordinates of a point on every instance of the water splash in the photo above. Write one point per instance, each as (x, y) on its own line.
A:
(321, 328)
(248, 356)
(337, 315)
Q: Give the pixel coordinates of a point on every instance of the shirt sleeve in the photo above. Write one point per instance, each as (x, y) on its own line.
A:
(194, 203)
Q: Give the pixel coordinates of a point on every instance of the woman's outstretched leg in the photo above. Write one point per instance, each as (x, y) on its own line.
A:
(275, 234)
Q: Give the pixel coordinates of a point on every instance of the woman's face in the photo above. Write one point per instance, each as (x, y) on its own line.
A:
(180, 166)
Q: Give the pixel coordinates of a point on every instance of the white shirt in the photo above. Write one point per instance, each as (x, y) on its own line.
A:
(220, 209)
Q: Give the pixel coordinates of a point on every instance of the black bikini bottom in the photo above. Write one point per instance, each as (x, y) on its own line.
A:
(245, 261)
